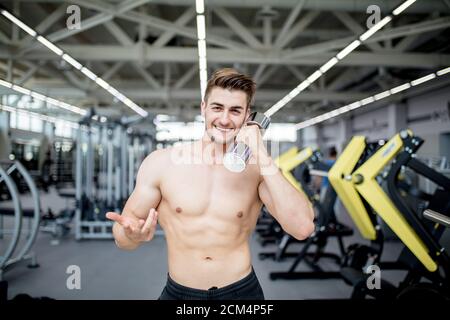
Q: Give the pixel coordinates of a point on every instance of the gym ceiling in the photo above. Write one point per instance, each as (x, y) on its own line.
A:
(148, 51)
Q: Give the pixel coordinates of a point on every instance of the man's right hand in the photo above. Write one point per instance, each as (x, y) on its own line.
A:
(137, 230)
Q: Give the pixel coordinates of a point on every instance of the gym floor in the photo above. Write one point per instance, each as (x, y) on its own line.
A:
(103, 267)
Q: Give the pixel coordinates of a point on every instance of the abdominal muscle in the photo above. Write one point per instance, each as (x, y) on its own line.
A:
(206, 250)
(203, 269)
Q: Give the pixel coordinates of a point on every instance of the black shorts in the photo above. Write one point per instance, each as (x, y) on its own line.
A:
(247, 288)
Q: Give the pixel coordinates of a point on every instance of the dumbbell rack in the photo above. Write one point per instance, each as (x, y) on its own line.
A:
(94, 230)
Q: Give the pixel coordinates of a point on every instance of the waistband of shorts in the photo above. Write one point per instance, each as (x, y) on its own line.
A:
(184, 291)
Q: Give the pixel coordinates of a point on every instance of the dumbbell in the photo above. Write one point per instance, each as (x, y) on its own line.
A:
(236, 159)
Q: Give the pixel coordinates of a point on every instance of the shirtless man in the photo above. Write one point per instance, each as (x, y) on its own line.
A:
(207, 212)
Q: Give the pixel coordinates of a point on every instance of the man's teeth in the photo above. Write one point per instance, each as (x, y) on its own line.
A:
(224, 129)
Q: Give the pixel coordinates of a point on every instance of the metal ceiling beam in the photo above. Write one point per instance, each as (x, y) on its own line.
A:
(182, 20)
(91, 22)
(298, 28)
(427, 6)
(15, 29)
(111, 71)
(147, 76)
(188, 32)
(239, 29)
(4, 38)
(310, 33)
(267, 75)
(259, 71)
(348, 21)
(182, 54)
(289, 21)
(348, 76)
(140, 93)
(415, 28)
(186, 77)
(125, 40)
(406, 43)
(30, 72)
(158, 23)
(45, 24)
(300, 75)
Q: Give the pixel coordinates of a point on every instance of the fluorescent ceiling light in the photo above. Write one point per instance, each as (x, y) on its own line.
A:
(423, 79)
(38, 96)
(344, 52)
(366, 35)
(42, 97)
(302, 86)
(201, 32)
(5, 83)
(21, 90)
(202, 48)
(316, 75)
(37, 115)
(402, 7)
(328, 64)
(368, 100)
(202, 63)
(203, 75)
(400, 88)
(19, 23)
(89, 73)
(443, 71)
(199, 6)
(102, 83)
(49, 45)
(382, 95)
(72, 61)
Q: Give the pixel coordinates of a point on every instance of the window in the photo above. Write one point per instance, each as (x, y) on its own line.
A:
(63, 129)
(175, 131)
(281, 132)
(25, 122)
(36, 124)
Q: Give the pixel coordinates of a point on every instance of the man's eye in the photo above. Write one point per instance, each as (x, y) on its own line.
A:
(236, 111)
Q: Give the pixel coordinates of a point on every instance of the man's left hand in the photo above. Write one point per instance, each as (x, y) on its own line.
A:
(251, 136)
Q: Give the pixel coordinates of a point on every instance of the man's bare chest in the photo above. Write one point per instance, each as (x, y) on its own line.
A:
(198, 189)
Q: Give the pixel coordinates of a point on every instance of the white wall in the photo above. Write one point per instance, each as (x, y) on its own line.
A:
(373, 124)
(427, 115)
(436, 105)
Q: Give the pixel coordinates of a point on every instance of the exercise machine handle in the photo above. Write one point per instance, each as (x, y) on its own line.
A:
(437, 217)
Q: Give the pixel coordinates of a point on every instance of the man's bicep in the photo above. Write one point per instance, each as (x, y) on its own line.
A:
(143, 198)
(146, 194)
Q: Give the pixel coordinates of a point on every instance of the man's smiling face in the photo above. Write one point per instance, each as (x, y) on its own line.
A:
(225, 112)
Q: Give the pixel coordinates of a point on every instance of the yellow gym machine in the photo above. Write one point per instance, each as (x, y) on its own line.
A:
(306, 163)
(359, 188)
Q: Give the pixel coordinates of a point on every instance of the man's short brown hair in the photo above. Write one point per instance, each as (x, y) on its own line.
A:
(231, 79)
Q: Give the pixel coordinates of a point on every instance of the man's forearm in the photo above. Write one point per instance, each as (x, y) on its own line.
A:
(293, 209)
(283, 193)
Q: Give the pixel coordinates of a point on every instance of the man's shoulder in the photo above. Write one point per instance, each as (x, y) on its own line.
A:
(166, 154)
(155, 157)
(168, 151)
(154, 164)
(158, 154)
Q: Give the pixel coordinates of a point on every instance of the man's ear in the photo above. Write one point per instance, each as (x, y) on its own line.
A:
(202, 108)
